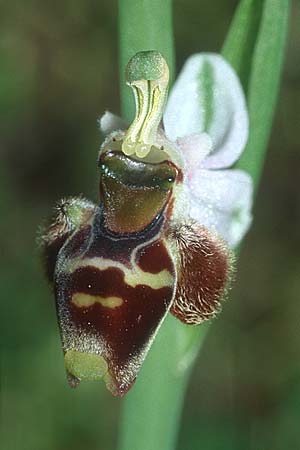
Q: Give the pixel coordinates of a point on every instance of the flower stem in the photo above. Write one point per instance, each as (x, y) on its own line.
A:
(151, 410)
(143, 25)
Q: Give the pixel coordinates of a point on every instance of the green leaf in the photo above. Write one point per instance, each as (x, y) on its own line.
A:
(241, 38)
(256, 47)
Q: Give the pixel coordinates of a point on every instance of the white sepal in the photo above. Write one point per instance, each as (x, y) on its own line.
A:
(222, 200)
(208, 97)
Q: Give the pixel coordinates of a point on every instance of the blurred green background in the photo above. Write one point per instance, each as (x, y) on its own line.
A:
(58, 73)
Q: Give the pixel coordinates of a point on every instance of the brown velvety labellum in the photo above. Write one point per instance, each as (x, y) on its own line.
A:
(126, 328)
(154, 258)
(204, 272)
(112, 293)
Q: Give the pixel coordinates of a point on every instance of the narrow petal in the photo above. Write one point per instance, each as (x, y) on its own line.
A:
(208, 97)
(222, 200)
(109, 122)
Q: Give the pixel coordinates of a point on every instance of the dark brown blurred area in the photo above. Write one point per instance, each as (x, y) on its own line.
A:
(58, 74)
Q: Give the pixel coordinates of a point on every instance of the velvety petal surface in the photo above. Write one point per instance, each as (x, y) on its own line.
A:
(194, 148)
(208, 97)
(221, 200)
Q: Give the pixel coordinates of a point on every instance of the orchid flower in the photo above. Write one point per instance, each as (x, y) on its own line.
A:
(156, 243)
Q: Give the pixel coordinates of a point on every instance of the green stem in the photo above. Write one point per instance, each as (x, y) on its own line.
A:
(241, 38)
(151, 410)
(143, 25)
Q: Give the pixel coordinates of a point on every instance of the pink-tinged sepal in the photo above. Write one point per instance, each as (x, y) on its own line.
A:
(112, 293)
(204, 266)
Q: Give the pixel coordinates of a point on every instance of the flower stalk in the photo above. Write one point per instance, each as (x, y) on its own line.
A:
(151, 410)
(254, 46)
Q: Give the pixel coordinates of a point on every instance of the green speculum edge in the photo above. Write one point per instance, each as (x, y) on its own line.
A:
(137, 173)
(85, 366)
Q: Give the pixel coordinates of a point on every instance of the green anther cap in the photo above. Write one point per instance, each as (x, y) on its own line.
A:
(149, 65)
(147, 73)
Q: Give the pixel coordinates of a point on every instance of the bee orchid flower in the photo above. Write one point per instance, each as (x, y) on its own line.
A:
(159, 239)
